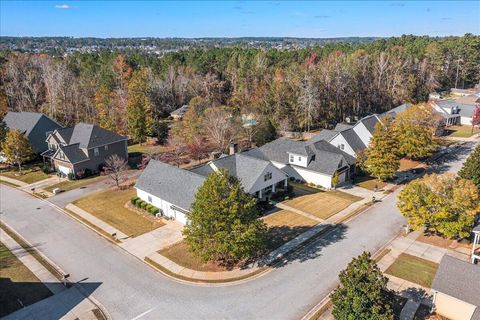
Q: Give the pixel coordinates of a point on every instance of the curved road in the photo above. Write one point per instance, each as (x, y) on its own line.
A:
(131, 290)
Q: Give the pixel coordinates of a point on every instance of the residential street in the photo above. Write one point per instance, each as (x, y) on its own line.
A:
(129, 289)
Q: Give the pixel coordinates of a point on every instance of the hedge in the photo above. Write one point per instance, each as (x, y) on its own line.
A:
(139, 203)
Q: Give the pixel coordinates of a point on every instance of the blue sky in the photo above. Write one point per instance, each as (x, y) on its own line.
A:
(237, 18)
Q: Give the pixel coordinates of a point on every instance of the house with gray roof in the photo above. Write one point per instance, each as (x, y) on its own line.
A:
(310, 161)
(348, 138)
(456, 111)
(35, 126)
(173, 190)
(83, 147)
(456, 289)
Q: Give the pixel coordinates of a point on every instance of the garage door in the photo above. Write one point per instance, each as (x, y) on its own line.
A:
(64, 170)
(180, 217)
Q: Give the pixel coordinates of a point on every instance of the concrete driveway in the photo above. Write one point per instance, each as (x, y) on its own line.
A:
(129, 289)
(64, 198)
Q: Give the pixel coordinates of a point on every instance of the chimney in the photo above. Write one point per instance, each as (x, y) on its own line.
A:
(233, 148)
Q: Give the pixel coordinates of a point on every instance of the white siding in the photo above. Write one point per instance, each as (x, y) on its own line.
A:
(164, 206)
(338, 140)
(466, 121)
(298, 160)
(64, 170)
(277, 176)
(314, 177)
(288, 170)
(363, 133)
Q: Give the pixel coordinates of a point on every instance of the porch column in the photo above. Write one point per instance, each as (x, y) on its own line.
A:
(260, 194)
(273, 188)
(286, 182)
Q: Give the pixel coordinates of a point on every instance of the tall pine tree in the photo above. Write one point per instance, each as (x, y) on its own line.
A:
(471, 167)
(383, 158)
(139, 106)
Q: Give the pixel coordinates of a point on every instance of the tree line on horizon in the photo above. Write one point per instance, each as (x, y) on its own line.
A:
(296, 89)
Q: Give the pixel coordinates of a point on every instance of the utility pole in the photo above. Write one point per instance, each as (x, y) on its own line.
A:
(458, 68)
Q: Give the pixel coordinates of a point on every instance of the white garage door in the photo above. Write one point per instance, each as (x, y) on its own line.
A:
(64, 170)
(180, 217)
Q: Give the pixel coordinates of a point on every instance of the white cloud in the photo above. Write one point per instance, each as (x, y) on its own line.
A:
(63, 6)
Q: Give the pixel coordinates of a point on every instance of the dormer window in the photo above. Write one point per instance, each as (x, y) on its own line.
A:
(61, 155)
(96, 152)
(341, 146)
(299, 158)
(292, 158)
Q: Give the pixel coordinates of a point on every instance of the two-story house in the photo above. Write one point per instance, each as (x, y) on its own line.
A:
(83, 147)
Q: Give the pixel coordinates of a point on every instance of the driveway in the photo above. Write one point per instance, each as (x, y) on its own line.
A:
(64, 198)
(129, 289)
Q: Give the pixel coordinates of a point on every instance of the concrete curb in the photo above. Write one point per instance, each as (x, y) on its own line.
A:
(90, 297)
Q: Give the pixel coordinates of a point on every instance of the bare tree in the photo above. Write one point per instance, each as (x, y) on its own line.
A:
(115, 167)
(220, 127)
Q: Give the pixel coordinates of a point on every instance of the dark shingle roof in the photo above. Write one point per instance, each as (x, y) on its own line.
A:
(370, 122)
(395, 111)
(458, 279)
(246, 168)
(277, 150)
(353, 139)
(170, 183)
(180, 111)
(73, 153)
(90, 136)
(65, 134)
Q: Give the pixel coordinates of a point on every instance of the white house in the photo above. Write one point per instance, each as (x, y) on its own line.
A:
(457, 111)
(173, 190)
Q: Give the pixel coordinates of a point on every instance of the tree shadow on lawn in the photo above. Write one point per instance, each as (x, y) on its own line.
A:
(311, 248)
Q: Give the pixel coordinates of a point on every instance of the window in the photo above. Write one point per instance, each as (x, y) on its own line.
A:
(150, 199)
(267, 176)
(95, 152)
(292, 158)
(341, 146)
(61, 155)
(299, 158)
(106, 147)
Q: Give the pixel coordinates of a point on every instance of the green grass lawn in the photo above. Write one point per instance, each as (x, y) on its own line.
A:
(147, 148)
(67, 185)
(414, 269)
(17, 283)
(463, 131)
(109, 206)
(28, 175)
(369, 183)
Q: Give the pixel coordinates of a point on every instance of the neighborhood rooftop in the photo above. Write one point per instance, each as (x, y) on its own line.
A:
(90, 136)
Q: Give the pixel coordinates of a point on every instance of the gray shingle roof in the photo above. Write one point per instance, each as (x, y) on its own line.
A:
(180, 111)
(465, 110)
(73, 153)
(395, 111)
(325, 134)
(170, 183)
(23, 121)
(90, 136)
(65, 134)
(327, 156)
(353, 139)
(246, 168)
(342, 126)
(370, 122)
(458, 279)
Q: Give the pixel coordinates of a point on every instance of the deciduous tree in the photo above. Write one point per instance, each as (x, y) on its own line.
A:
(362, 293)
(16, 148)
(440, 203)
(115, 167)
(224, 224)
(382, 154)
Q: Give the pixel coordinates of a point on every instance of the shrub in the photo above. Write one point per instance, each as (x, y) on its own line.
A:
(134, 200)
(144, 205)
(71, 176)
(45, 168)
(139, 203)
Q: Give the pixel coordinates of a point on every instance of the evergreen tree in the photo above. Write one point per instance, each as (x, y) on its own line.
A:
(223, 222)
(138, 106)
(471, 167)
(16, 148)
(362, 293)
(3, 132)
(382, 154)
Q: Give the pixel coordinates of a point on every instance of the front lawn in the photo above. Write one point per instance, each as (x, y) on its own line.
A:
(407, 164)
(180, 254)
(369, 183)
(28, 176)
(67, 185)
(414, 269)
(148, 149)
(109, 206)
(323, 204)
(284, 226)
(20, 287)
(463, 131)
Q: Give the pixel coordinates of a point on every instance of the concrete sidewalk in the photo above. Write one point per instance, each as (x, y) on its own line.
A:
(14, 181)
(64, 304)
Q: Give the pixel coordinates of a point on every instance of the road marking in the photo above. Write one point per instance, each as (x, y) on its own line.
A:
(142, 314)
